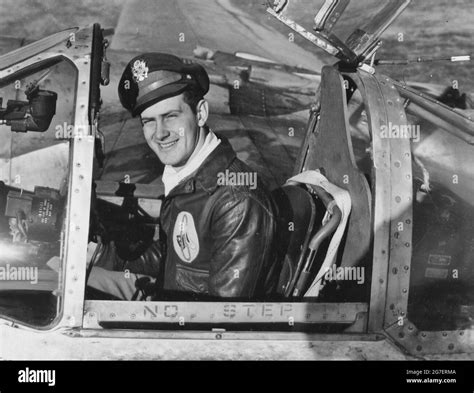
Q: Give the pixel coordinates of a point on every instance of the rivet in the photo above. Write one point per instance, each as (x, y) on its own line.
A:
(451, 347)
(398, 199)
(407, 244)
(394, 270)
(419, 348)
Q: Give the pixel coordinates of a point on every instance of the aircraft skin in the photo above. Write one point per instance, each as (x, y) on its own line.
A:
(265, 118)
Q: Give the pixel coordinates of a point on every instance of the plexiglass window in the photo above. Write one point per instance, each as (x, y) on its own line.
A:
(36, 126)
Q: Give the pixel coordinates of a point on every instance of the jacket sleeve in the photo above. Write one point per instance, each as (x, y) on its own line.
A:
(149, 263)
(242, 231)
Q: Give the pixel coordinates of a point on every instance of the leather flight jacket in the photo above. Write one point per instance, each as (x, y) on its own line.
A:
(218, 232)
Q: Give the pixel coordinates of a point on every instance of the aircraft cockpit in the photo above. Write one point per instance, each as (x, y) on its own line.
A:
(381, 195)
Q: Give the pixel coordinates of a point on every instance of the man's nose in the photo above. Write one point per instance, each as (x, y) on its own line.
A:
(160, 131)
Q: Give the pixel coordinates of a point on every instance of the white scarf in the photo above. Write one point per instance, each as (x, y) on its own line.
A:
(172, 177)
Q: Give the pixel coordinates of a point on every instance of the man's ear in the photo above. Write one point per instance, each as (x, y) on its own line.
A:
(202, 112)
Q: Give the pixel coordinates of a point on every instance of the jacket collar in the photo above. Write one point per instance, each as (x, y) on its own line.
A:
(205, 177)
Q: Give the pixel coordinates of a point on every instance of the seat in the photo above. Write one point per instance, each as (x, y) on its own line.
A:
(300, 233)
(296, 216)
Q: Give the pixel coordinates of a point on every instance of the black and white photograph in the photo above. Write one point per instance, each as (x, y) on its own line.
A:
(237, 180)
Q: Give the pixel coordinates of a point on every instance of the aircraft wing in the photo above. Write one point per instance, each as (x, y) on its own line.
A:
(179, 26)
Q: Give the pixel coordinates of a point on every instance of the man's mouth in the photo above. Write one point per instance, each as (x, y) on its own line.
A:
(167, 145)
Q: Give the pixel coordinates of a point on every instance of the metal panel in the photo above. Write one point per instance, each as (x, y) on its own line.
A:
(80, 188)
(381, 189)
(187, 345)
(420, 343)
(181, 313)
(221, 334)
(401, 201)
(396, 323)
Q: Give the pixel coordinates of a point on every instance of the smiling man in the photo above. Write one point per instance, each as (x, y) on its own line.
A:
(217, 236)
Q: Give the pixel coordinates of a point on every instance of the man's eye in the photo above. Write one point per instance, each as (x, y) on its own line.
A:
(171, 116)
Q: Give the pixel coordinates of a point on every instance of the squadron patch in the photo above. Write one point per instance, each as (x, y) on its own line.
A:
(185, 238)
(139, 70)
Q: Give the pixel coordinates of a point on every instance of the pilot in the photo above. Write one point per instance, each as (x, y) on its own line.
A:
(216, 233)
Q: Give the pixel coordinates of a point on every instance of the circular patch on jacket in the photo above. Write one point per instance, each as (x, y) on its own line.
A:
(185, 238)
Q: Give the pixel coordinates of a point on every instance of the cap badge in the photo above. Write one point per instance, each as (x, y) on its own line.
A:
(139, 70)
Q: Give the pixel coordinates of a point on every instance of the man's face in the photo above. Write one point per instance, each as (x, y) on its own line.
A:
(171, 130)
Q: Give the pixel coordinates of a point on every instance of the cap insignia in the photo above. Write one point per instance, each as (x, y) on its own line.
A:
(139, 70)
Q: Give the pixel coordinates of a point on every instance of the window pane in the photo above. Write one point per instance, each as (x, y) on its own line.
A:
(34, 170)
